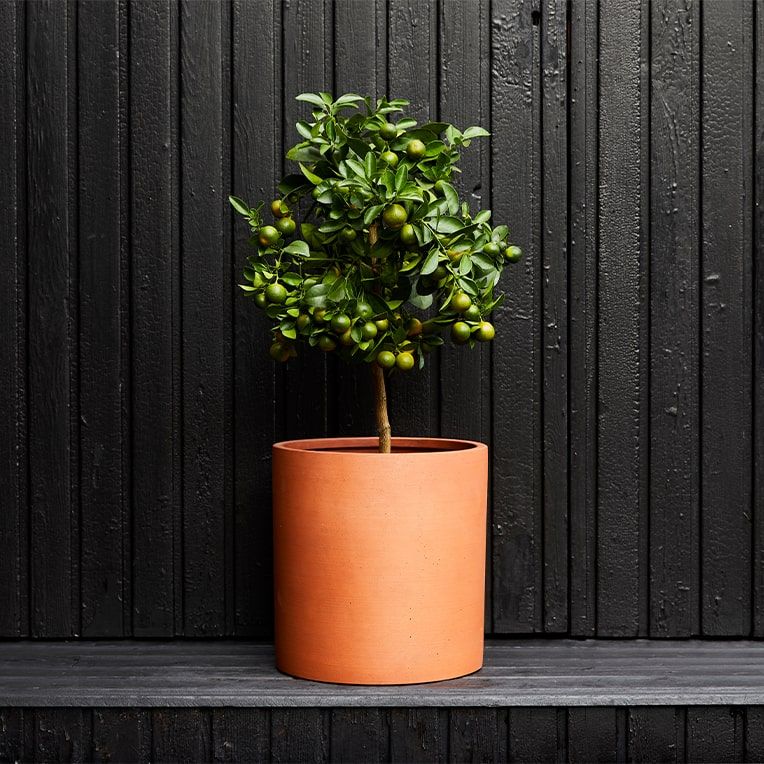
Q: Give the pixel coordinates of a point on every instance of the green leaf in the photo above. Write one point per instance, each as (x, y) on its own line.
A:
(311, 176)
(372, 213)
(239, 205)
(370, 164)
(475, 132)
(482, 217)
(326, 98)
(348, 99)
(465, 265)
(303, 128)
(297, 247)
(356, 167)
(421, 301)
(452, 199)
(401, 177)
(500, 233)
(430, 262)
(316, 100)
(448, 225)
(315, 297)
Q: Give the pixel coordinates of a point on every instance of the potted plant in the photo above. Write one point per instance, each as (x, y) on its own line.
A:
(379, 543)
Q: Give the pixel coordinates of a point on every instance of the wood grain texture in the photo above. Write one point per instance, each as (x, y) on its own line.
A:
(240, 734)
(255, 163)
(14, 619)
(181, 735)
(583, 288)
(726, 318)
(418, 734)
(359, 734)
(62, 735)
(537, 735)
(621, 442)
(206, 286)
(121, 734)
(593, 735)
(758, 333)
(300, 735)
(715, 735)
(675, 324)
(656, 734)
(477, 735)
(102, 368)
(517, 433)
(51, 321)
(155, 322)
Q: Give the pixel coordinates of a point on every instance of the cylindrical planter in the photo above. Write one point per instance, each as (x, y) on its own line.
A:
(379, 559)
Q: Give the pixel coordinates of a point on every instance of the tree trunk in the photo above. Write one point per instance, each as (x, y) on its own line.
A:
(380, 398)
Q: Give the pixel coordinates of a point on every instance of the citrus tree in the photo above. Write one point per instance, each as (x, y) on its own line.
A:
(371, 255)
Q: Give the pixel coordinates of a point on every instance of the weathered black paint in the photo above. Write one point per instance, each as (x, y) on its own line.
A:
(641, 734)
(622, 398)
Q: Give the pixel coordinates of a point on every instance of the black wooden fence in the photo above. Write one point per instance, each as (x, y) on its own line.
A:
(623, 398)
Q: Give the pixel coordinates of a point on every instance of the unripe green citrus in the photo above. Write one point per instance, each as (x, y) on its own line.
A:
(408, 234)
(369, 330)
(326, 343)
(382, 324)
(472, 313)
(340, 323)
(513, 254)
(386, 359)
(276, 293)
(279, 208)
(460, 302)
(485, 332)
(394, 216)
(492, 248)
(390, 158)
(261, 300)
(460, 332)
(388, 131)
(405, 361)
(364, 310)
(415, 149)
(348, 234)
(268, 235)
(286, 226)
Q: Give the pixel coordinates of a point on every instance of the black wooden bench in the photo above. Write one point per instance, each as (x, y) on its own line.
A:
(534, 700)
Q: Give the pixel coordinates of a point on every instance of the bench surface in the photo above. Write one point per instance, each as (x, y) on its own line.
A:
(516, 673)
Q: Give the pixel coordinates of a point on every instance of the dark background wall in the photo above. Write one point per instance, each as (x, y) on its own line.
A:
(623, 398)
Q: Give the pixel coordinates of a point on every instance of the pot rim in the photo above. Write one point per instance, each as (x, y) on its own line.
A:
(415, 447)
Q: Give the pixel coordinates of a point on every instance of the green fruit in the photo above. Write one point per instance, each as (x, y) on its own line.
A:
(268, 235)
(279, 352)
(386, 359)
(348, 234)
(286, 226)
(394, 216)
(408, 234)
(261, 300)
(472, 313)
(278, 208)
(340, 323)
(390, 158)
(315, 193)
(276, 293)
(460, 332)
(364, 310)
(326, 343)
(346, 338)
(460, 302)
(485, 331)
(369, 330)
(513, 254)
(492, 248)
(318, 315)
(415, 149)
(413, 327)
(382, 324)
(388, 131)
(303, 321)
(405, 361)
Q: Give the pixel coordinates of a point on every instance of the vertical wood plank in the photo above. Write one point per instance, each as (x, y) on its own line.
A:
(360, 39)
(726, 317)
(517, 432)
(418, 734)
(675, 328)
(537, 734)
(621, 441)
(51, 318)
(300, 734)
(307, 67)
(754, 733)
(100, 325)
(465, 383)
(477, 734)
(656, 734)
(240, 734)
(584, 201)
(206, 281)
(256, 165)
(14, 744)
(758, 330)
(592, 735)
(62, 735)
(359, 734)
(413, 74)
(181, 735)
(121, 734)
(715, 734)
(554, 286)
(155, 352)
(13, 518)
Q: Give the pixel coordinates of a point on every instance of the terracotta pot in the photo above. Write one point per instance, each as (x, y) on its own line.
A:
(379, 559)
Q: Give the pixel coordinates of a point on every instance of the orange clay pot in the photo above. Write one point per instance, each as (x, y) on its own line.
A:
(379, 559)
